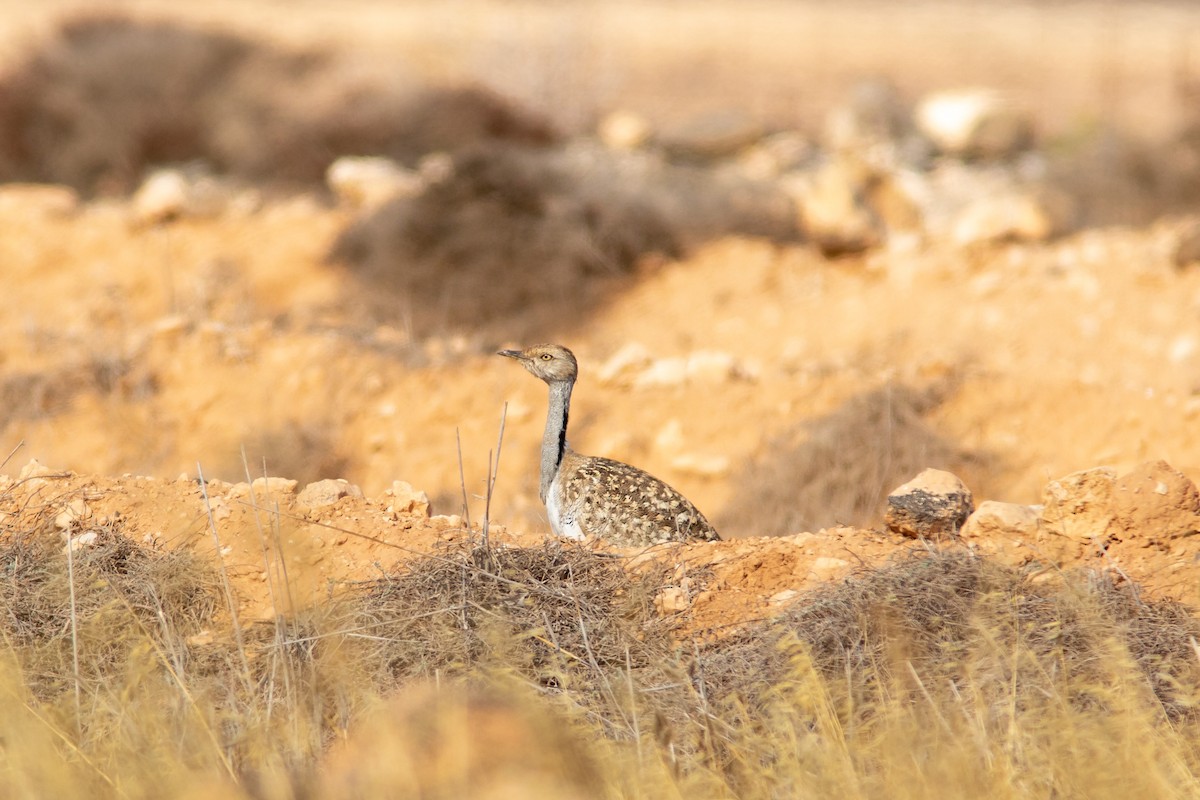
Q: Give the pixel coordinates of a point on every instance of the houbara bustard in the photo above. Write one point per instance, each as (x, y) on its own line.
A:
(587, 496)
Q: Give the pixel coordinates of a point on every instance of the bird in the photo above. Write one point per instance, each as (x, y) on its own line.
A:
(589, 496)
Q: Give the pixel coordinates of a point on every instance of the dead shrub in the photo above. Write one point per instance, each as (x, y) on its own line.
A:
(518, 241)
(838, 469)
(568, 620)
(952, 624)
(123, 592)
(110, 95)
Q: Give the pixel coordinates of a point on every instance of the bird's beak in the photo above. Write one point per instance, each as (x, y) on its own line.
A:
(510, 354)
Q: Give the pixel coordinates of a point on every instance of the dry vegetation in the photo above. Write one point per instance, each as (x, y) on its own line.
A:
(551, 669)
(129, 668)
(110, 96)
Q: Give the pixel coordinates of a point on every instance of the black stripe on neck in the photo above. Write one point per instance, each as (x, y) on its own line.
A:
(562, 439)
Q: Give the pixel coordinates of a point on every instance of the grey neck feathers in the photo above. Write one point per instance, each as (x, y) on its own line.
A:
(554, 440)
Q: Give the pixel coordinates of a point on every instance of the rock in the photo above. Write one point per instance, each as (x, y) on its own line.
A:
(783, 598)
(968, 203)
(1186, 249)
(705, 466)
(369, 181)
(169, 194)
(1156, 503)
(623, 366)
(1079, 506)
(1014, 216)
(826, 567)
(662, 372)
(35, 469)
(993, 518)
(710, 366)
(671, 600)
(974, 123)
(711, 136)
(38, 200)
(327, 492)
(830, 203)
(624, 130)
(271, 486)
(82, 540)
(933, 504)
(407, 500)
(76, 511)
(448, 521)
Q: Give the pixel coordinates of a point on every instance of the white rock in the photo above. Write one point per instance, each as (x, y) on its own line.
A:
(827, 566)
(327, 492)
(271, 486)
(706, 466)
(367, 181)
(978, 123)
(35, 469)
(75, 511)
(38, 200)
(993, 518)
(624, 130)
(662, 372)
(831, 208)
(710, 366)
(1080, 505)
(784, 597)
(160, 197)
(85, 539)
(407, 500)
(672, 600)
(670, 438)
(624, 365)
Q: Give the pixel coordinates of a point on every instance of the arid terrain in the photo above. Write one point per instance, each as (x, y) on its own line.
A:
(786, 294)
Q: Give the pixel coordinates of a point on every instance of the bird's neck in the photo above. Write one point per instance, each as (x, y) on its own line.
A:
(554, 440)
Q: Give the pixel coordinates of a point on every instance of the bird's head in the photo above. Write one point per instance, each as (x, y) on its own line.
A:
(552, 363)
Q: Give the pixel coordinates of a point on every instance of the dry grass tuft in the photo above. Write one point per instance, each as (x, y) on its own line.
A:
(570, 622)
(548, 670)
(523, 238)
(110, 95)
(955, 619)
(839, 468)
(118, 586)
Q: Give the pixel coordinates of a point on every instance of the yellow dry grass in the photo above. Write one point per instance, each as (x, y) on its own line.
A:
(548, 672)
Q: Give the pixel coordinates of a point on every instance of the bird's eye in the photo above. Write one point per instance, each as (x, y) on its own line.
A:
(546, 356)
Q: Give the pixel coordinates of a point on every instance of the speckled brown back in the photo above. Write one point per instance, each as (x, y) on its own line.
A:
(627, 506)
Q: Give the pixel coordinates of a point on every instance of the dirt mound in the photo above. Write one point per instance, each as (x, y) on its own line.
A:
(110, 95)
(521, 240)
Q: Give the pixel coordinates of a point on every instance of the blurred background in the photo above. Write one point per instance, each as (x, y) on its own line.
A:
(803, 249)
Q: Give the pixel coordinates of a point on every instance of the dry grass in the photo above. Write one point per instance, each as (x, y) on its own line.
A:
(837, 469)
(519, 238)
(111, 95)
(548, 672)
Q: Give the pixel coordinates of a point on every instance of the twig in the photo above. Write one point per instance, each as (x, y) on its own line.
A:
(212, 526)
(462, 482)
(74, 634)
(11, 453)
(493, 473)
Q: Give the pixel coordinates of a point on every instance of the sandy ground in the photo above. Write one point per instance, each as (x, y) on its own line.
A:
(231, 345)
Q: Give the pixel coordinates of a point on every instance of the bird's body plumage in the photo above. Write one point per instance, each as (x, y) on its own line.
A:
(588, 496)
